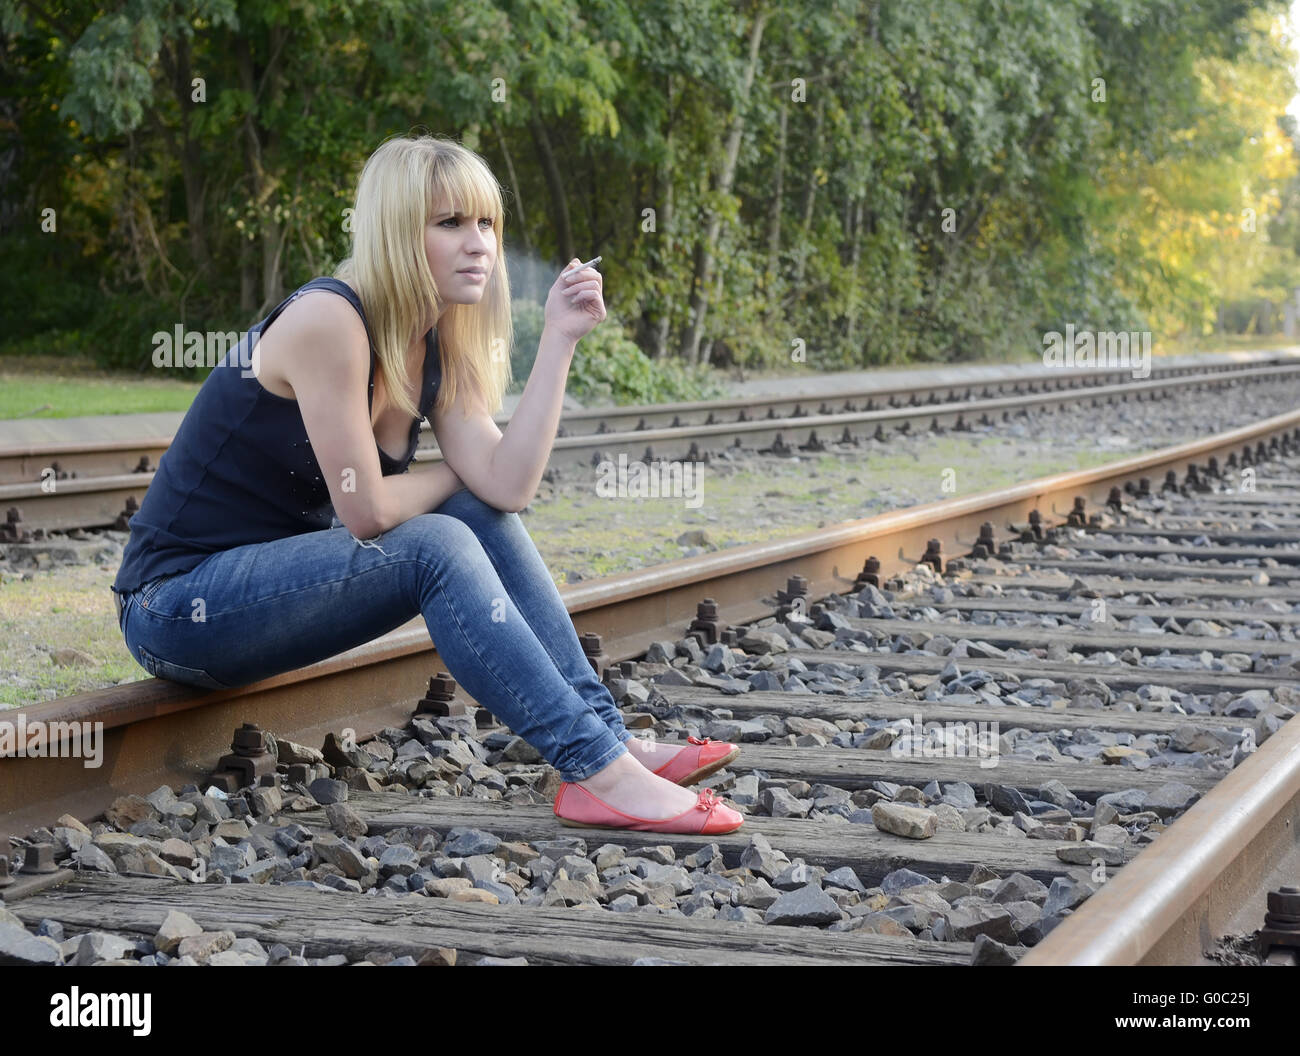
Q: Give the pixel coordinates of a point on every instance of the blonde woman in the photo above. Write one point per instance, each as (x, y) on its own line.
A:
(282, 527)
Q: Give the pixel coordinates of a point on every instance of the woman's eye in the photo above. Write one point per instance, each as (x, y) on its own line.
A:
(488, 219)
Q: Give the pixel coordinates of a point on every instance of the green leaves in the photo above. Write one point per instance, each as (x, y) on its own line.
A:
(930, 180)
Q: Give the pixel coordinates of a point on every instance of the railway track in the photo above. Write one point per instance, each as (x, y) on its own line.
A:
(78, 485)
(1047, 724)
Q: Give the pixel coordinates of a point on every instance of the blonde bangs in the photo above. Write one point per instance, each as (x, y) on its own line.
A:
(401, 184)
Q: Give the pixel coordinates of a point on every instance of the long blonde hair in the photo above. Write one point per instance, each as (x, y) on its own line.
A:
(400, 184)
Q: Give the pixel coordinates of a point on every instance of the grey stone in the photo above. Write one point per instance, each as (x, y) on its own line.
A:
(780, 804)
(971, 919)
(1171, 799)
(844, 877)
(988, 951)
(744, 793)
(760, 859)
(756, 894)
(326, 790)
(901, 879)
(341, 855)
(914, 823)
(958, 794)
(464, 842)
(1065, 893)
(1129, 801)
(659, 853)
(1087, 851)
(399, 858)
(1006, 799)
(743, 914)
(1019, 888)
(344, 820)
(92, 857)
(97, 946)
(19, 947)
(259, 872)
(806, 905)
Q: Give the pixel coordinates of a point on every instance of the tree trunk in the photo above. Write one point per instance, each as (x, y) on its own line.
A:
(664, 228)
(521, 221)
(179, 70)
(555, 185)
(855, 292)
(810, 193)
(262, 184)
(778, 188)
(702, 273)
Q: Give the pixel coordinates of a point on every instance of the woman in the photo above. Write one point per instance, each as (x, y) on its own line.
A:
(282, 527)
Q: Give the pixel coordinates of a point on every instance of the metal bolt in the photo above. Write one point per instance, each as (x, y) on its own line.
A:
(39, 859)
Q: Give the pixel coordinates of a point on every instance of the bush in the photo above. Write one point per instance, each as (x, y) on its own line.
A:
(608, 365)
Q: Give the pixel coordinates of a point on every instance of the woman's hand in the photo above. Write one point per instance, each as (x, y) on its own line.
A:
(576, 302)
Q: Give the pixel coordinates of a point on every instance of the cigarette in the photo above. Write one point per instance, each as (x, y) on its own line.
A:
(579, 267)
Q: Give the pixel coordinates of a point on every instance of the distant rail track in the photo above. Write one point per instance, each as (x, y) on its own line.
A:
(65, 486)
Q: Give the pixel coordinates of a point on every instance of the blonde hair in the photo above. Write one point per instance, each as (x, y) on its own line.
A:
(400, 185)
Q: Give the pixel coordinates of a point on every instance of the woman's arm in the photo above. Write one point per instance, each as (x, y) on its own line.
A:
(504, 469)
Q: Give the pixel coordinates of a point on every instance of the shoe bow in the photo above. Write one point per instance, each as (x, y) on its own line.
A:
(696, 740)
(708, 800)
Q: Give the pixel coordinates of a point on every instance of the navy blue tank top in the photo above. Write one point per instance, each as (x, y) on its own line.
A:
(241, 469)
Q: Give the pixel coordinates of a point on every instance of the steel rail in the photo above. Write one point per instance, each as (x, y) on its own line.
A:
(1205, 876)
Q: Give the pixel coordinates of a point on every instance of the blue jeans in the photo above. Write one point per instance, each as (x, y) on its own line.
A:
(473, 572)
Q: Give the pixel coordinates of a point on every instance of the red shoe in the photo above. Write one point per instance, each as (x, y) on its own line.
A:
(692, 764)
(709, 816)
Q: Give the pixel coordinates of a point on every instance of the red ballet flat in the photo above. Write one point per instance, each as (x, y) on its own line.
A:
(694, 763)
(709, 816)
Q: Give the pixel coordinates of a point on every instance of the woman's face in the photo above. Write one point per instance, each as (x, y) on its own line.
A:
(458, 246)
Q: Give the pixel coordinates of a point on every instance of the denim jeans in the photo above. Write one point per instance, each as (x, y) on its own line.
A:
(473, 572)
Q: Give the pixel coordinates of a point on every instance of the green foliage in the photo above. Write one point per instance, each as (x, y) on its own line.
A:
(608, 366)
(949, 185)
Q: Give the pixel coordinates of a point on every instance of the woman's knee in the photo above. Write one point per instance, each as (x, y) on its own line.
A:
(432, 532)
(440, 545)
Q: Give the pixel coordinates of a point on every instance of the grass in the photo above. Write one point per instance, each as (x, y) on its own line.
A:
(68, 607)
(47, 386)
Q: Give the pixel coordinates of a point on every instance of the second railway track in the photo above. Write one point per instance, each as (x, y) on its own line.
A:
(71, 485)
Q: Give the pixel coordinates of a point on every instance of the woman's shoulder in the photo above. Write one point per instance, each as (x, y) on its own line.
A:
(317, 325)
(322, 309)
